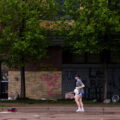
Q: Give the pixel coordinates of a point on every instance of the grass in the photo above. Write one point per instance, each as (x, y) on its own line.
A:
(30, 101)
(2, 105)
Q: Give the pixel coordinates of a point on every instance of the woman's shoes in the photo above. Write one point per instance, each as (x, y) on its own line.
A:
(80, 110)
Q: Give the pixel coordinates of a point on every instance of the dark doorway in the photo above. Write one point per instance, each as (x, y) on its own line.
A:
(3, 81)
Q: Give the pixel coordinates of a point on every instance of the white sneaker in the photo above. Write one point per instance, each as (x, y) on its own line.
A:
(82, 110)
(78, 110)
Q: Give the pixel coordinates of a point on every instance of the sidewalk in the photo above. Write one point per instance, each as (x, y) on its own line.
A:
(61, 112)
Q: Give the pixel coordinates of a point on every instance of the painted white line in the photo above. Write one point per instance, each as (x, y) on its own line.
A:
(5, 112)
(36, 115)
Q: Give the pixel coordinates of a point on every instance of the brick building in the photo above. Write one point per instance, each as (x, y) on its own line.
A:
(43, 78)
(53, 76)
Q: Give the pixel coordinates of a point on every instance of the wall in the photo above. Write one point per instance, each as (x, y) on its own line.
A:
(93, 77)
(43, 77)
(45, 84)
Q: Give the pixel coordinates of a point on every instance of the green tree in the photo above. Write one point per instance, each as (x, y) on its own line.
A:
(90, 27)
(22, 37)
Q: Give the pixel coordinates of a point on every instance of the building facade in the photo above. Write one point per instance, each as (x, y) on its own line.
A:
(53, 77)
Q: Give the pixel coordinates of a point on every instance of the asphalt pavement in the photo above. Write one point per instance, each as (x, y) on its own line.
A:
(60, 112)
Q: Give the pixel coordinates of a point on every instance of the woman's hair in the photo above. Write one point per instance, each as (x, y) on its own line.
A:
(78, 76)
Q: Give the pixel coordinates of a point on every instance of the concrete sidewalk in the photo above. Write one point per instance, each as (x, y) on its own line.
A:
(61, 112)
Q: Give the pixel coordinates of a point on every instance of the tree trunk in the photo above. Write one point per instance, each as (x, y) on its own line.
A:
(23, 91)
(105, 81)
(22, 69)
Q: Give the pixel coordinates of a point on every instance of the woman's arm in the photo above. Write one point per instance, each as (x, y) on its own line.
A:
(82, 86)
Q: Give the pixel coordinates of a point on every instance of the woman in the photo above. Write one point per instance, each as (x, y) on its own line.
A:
(78, 96)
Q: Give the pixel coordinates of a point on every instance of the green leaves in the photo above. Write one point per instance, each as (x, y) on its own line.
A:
(94, 24)
(21, 35)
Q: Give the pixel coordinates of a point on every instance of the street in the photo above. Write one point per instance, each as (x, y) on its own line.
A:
(61, 112)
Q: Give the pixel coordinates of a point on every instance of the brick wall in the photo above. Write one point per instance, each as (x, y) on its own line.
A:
(45, 84)
(13, 83)
(43, 77)
(52, 62)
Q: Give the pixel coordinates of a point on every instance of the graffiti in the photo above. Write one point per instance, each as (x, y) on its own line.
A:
(69, 95)
(4, 76)
(68, 79)
(52, 82)
(91, 77)
(96, 77)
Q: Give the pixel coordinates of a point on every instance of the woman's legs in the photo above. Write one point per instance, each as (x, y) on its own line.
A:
(81, 103)
(77, 102)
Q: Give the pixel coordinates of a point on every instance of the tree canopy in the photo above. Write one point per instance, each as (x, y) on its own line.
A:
(21, 33)
(95, 24)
